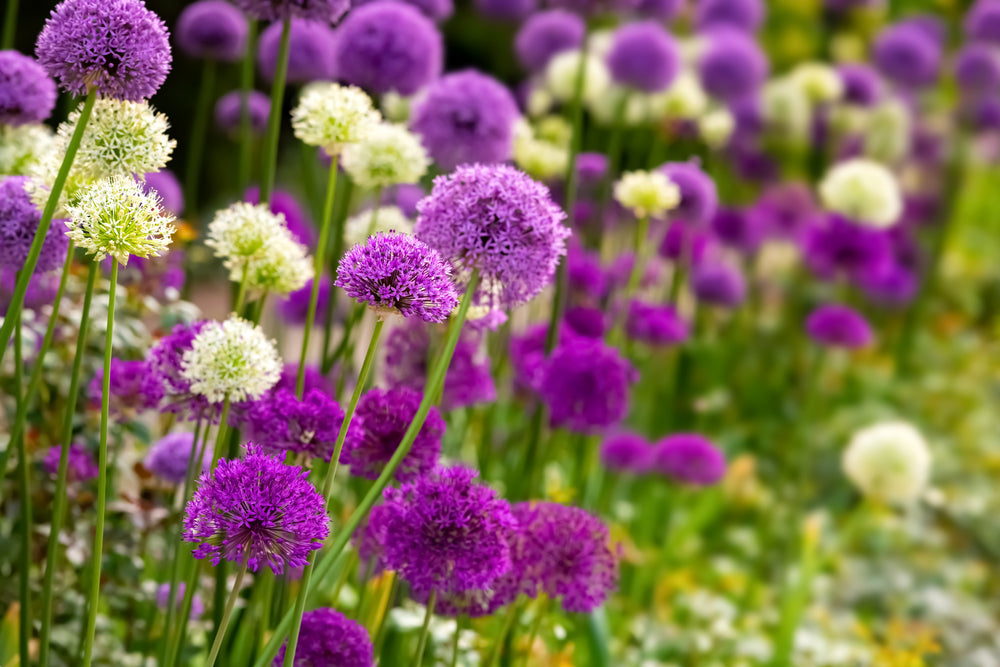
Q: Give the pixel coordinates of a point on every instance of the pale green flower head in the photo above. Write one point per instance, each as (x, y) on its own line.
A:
(359, 227)
(716, 127)
(332, 116)
(647, 193)
(685, 98)
(890, 462)
(888, 131)
(863, 190)
(560, 76)
(117, 217)
(388, 154)
(282, 267)
(240, 233)
(786, 109)
(537, 156)
(24, 147)
(231, 360)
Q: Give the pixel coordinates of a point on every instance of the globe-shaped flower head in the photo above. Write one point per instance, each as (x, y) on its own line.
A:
(689, 458)
(332, 116)
(231, 360)
(27, 94)
(907, 55)
(719, 283)
(838, 326)
(647, 193)
(643, 56)
(19, 218)
(746, 15)
(627, 452)
(212, 29)
(699, 197)
(118, 47)
(499, 222)
(654, 324)
(544, 35)
(325, 11)
(889, 462)
(229, 112)
(864, 191)
(310, 55)
(256, 511)
(280, 422)
(732, 65)
(977, 69)
(165, 362)
(436, 10)
(982, 22)
(169, 456)
(327, 637)
(389, 155)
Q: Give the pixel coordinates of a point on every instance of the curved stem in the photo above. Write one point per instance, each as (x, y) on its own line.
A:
(233, 596)
(9, 29)
(418, 657)
(199, 130)
(24, 490)
(270, 158)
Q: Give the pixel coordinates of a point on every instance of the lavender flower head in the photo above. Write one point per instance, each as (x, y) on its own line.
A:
(982, 22)
(327, 637)
(81, 463)
(862, 84)
(699, 197)
(907, 55)
(169, 456)
(834, 246)
(163, 599)
(280, 423)
(544, 35)
(27, 94)
(644, 56)
(311, 54)
(166, 186)
(739, 228)
(785, 211)
(383, 416)
(119, 47)
(977, 69)
(19, 219)
(499, 222)
(718, 283)
(229, 112)
(689, 458)
(745, 15)
(732, 65)
(834, 325)
(133, 388)
(324, 11)
(212, 29)
(654, 324)
(256, 511)
(627, 452)
(435, 10)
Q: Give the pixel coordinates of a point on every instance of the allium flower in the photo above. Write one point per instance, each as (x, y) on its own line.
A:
(585, 384)
(982, 21)
(448, 533)
(591, 168)
(19, 218)
(689, 458)
(389, 46)
(117, 46)
(229, 112)
(539, 157)
(587, 322)
(116, 217)
(280, 422)
(862, 84)
(732, 65)
(561, 72)
(507, 10)
(544, 35)
(212, 29)
(359, 227)
(499, 222)
(907, 55)
(698, 196)
(977, 68)
(132, 388)
(239, 234)
(838, 326)
(27, 94)
(256, 511)
(163, 599)
(819, 82)
(784, 211)
(738, 228)
(169, 456)
(23, 149)
(231, 360)
(325, 11)
(647, 193)
(889, 462)
(836, 246)
(283, 266)
(388, 155)
(81, 463)
(464, 117)
(383, 416)
(310, 55)
(327, 637)
(864, 191)
(746, 15)
(436, 10)
(718, 283)
(165, 363)
(682, 240)
(332, 116)
(644, 56)
(627, 452)
(655, 325)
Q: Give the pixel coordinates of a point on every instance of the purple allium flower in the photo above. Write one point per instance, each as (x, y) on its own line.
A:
(256, 511)
(327, 637)
(982, 21)
(643, 55)
(527, 355)
(507, 10)
(834, 246)
(684, 240)
(27, 94)
(891, 283)
(448, 532)
(294, 308)
(655, 324)
(383, 416)
(212, 29)
(19, 219)
(619, 270)
(133, 388)
(977, 68)
(862, 84)
(495, 220)
(370, 539)
(664, 10)
(586, 322)
(689, 458)
(464, 117)
(311, 54)
(907, 55)
(838, 326)
(165, 359)
(163, 599)
(405, 196)
(732, 65)
(699, 198)
(388, 45)
(738, 228)
(745, 15)
(718, 283)
(585, 384)
(627, 452)
(595, 7)
(435, 10)
(229, 112)
(544, 35)
(397, 273)
(784, 211)
(81, 466)
(168, 188)
(169, 456)
(280, 423)
(117, 46)
(323, 11)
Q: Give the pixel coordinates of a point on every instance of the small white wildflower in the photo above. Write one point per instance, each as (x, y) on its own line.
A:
(331, 116)
(684, 99)
(24, 147)
(388, 155)
(561, 75)
(283, 266)
(538, 157)
(887, 132)
(359, 227)
(647, 193)
(716, 127)
(231, 359)
(117, 217)
(239, 233)
(396, 107)
(786, 109)
(820, 82)
(863, 190)
(889, 461)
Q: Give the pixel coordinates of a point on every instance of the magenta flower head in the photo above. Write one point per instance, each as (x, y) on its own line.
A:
(323, 11)
(732, 65)
(907, 55)
(81, 463)
(862, 84)
(544, 35)
(116, 46)
(435, 10)
(689, 458)
(785, 211)
(256, 511)
(627, 452)
(212, 29)
(169, 456)
(982, 22)
(19, 218)
(163, 599)
(229, 112)
(718, 283)
(388, 45)
(655, 325)
(396, 273)
(834, 246)
(699, 197)
(738, 228)
(682, 240)
(495, 220)
(507, 10)
(448, 532)
(27, 94)
(643, 56)
(383, 416)
(977, 69)
(280, 422)
(834, 325)
(310, 57)
(745, 15)
(133, 388)
(327, 637)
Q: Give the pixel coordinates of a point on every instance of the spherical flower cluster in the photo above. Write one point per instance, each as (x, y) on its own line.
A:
(738, 228)
(388, 155)
(497, 221)
(436, 10)
(655, 324)
(327, 637)
(231, 360)
(165, 364)
(383, 416)
(81, 465)
(283, 267)
(647, 193)
(19, 218)
(27, 94)
(838, 326)
(24, 148)
(977, 69)
(118, 47)
(310, 55)
(169, 456)
(539, 157)
(325, 11)
(627, 452)
(212, 29)
(229, 112)
(332, 116)
(907, 55)
(819, 82)
(163, 599)
(256, 511)
(117, 217)
(359, 227)
(280, 422)
(864, 191)
(861, 84)
(835, 246)
(718, 283)
(784, 211)
(746, 15)
(689, 458)
(561, 76)
(131, 387)
(643, 56)
(889, 462)
(544, 35)
(732, 65)
(982, 22)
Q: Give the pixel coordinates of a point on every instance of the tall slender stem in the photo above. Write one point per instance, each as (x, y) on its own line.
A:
(459, 622)
(508, 623)
(246, 87)
(230, 603)
(9, 29)
(543, 607)
(270, 158)
(199, 131)
(24, 489)
(94, 598)
(418, 657)
(220, 435)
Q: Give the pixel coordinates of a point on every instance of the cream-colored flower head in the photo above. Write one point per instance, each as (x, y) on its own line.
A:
(359, 227)
(231, 359)
(819, 82)
(716, 127)
(284, 266)
(684, 99)
(864, 191)
(538, 157)
(395, 107)
(786, 109)
(388, 155)
(240, 233)
(332, 116)
(647, 193)
(561, 72)
(24, 148)
(887, 132)
(117, 217)
(890, 462)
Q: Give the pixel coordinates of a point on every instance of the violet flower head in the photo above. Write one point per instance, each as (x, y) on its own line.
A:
(163, 599)
(718, 283)
(81, 465)
(682, 240)
(169, 456)
(643, 56)
(311, 53)
(732, 65)
(119, 47)
(282, 423)
(256, 511)
(738, 228)
(699, 197)
(397, 273)
(834, 246)
(587, 322)
(323, 11)
(907, 55)
(19, 219)
(435, 10)
(834, 325)
(507, 10)
(891, 283)
(165, 363)
(370, 539)
(383, 416)
(133, 388)
(327, 637)
(212, 29)
(657, 325)
(229, 112)
(982, 22)
(862, 84)
(977, 69)
(627, 452)
(689, 458)
(27, 94)
(388, 46)
(497, 221)
(584, 272)
(166, 186)
(785, 211)
(544, 35)
(465, 117)
(42, 289)
(448, 532)
(745, 15)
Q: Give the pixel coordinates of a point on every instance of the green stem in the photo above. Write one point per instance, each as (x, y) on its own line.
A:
(199, 131)
(220, 435)
(24, 489)
(7, 43)
(270, 158)
(543, 606)
(796, 594)
(508, 623)
(246, 87)
(344, 196)
(102, 482)
(233, 596)
(531, 470)
(418, 658)
(378, 637)
(459, 622)
(176, 642)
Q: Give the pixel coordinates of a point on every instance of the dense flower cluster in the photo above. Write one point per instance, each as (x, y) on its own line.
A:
(330, 638)
(231, 360)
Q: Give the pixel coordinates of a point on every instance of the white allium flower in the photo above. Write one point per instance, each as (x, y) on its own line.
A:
(537, 157)
(863, 190)
(540, 102)
(887, 132)
(561, 73)
(388, 155)
(239, 234)
(684, 99)
(889, 461)
(359, 227)
(283, 266)
(647, 193)
(121, 139)
(716, 127)
(396, 107)
(231, 359)
(786, 109)
(818, 81)
(117, 217)
(331, 116)
(24, 147)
